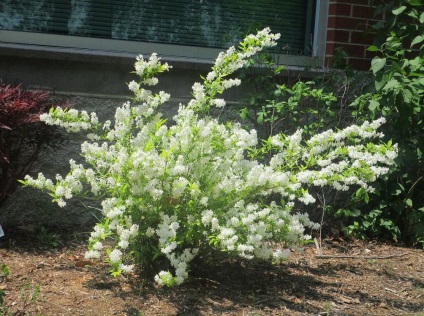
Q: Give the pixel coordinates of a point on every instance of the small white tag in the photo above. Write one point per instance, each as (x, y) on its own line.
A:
(1, 232)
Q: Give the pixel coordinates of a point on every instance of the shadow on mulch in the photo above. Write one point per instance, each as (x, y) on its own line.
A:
(224, 285)
(36, 240)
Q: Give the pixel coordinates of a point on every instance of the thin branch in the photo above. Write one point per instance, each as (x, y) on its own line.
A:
(360, 257)
(319, 251)
(322, 200)
(412, 187)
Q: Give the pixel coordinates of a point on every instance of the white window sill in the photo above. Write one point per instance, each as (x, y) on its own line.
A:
(50, 46)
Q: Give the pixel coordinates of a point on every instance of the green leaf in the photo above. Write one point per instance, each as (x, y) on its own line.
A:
(366, 197)
(399, 10)
(252, 100)
(407, 95)
(278, 69)
(260, 118)
(417, 39)
(393, 83)
(408, 202)
(373, 48)
(373, 105)
(422, 18)
(380, 81)
(244, 113)
(415, 2)
(377, 63)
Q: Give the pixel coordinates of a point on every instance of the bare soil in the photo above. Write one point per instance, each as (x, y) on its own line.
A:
(390, 282)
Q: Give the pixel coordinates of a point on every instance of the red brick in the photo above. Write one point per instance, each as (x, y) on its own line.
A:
(340, 9)
(355, 50)
(346, 23)
(351, 50)
(364, 12)
(371, 55)
(362, 38)
(364, 2)
(360, 63)
(337, 36)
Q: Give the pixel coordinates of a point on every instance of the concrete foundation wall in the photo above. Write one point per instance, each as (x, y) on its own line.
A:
(91, 83)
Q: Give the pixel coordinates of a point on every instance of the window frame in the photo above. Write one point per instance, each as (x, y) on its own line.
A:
(83, 48)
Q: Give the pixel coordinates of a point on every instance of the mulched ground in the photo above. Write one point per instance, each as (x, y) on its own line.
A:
(390, 282)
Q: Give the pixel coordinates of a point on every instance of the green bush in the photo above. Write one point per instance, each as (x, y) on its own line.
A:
(397, 205)
(339, 97)
(170, 192)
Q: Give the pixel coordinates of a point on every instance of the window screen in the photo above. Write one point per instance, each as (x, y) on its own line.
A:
(206, 23)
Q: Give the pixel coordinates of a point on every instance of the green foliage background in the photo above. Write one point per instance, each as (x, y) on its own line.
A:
(394, 88)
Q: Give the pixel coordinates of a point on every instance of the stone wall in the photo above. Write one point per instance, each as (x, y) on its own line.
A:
(92, 87)
(29, 206)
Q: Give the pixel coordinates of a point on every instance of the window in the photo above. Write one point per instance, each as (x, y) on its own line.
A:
(167, 27)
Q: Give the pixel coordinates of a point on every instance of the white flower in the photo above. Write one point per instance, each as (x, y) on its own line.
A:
(281, 255)
(115, 256)
(123, 244)
(151, 81)
(98, 246)
(150, 232)
(204, 201)
(219, 103)
(61, 203)
(207, 217)
(92, 254)
(169, 247)
(307, 199)
(60, 191)
(211, 76)
(164, 278)
(126, 268)
(98, 232)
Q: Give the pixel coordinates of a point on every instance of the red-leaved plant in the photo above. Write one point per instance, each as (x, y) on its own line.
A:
(22, 136)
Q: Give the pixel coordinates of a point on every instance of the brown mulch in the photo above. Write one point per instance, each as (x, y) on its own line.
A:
(389, 280)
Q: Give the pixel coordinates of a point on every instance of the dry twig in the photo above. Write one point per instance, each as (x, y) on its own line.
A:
(319, 255)
(360, 257)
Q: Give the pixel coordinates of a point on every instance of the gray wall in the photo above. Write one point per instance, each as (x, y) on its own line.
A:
(93, 83)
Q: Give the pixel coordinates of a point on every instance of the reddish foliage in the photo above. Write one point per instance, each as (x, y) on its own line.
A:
(19, 106)
(22, 135)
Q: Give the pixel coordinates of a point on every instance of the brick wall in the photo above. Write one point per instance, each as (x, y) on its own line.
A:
(347, 21)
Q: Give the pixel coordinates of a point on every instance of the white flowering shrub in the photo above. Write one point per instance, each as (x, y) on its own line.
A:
(169, 190)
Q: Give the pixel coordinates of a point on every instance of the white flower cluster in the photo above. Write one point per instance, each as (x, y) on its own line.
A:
(169, 190)
(231, 60)
(225, 64)
(114, 211)
(70, 119)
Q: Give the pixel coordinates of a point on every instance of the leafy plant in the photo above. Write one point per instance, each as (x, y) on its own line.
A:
(308, 106)
(22, 136)
(4, 271)
(49, 238)
(171, 191)
(29, 296)
(397, 207)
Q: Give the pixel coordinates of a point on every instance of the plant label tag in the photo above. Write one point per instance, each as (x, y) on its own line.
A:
(1, 232)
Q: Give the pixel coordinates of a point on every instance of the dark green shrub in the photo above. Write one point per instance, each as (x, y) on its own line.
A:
(22, 136)
(397, 206)
(394, 90)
